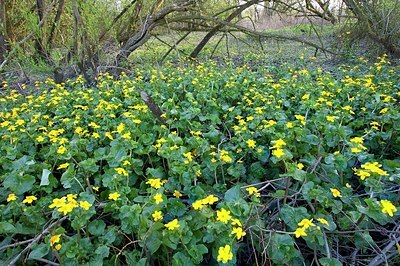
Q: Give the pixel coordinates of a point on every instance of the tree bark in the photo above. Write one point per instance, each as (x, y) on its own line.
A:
(55, 24)
(217, 28)
(40, 5)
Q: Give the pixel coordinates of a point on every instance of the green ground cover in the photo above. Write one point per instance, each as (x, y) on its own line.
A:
(283, 164)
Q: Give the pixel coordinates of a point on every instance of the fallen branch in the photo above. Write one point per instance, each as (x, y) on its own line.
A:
(36, 239)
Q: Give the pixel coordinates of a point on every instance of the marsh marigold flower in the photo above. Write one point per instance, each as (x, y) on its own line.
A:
(322, 221)
(224, 254)
(174, 224)
(29, 199)
(336, 193)
(157, 215)
(158, 198)
(388, 207)
(253, 191)
(238, 232)
(154, 183)
(306, 223)
(223, 215)
(251, 143)
(114, 196)
(11, 197)
(300, 231)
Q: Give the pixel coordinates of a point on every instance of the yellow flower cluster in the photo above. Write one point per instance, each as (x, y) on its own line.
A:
(304, 224)
(369, 169)
(156, 182)
(66, 204)
(199, 204)
(277, 150)
(224, 156)
(357, 144)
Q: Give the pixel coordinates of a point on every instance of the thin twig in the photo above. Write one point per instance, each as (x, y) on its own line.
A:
(36, 239)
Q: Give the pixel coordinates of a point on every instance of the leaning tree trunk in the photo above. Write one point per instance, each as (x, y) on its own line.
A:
(217, 28)
(152, 20)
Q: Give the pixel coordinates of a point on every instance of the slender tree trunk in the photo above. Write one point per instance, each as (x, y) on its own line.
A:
(55, 24)
(217, 28)
(40, 5)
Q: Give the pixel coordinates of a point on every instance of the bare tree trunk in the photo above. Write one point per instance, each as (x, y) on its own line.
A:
(55, 24)
(40, 5)
(217, 28)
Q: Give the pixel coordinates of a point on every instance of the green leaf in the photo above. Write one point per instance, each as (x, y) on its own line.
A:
(330, 262)
(180, 259)
(96, 227)
(39, 251)
(233, 194)
(18, 183)
(7, 228)
(153, 242)
(44, 180)
(103, 251)
(291, 216)
(197, 252)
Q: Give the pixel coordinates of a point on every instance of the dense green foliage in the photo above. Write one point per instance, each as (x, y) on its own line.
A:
(272, 164)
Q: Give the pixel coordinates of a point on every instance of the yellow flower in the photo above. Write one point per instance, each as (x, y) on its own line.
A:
(61, 150)
(126, 135)
(121, 171)
(157, 215)
(224, 254)
(306, 223)
(114, 196)
(330, 118)
(278, 153)
(96, 135)
(236, 222)
(108, 135)
(198, 205)
(357, 140)
(289, 125)
(177, 194)
(322, 221)
(63, 166)
(57, 203)
(374, 168)
(154, 183)
(40, 139)
(278, 144)
(251, 143)
(54, 239)
(300, 231)
(238, 231)
(66, 208)
(158, 198)
(336, 193)
(388, 207)
(126, 162)
(355, 150)
(85, 205)
(58, 247)
(211, 199)
(348, 185)
(11, 197)
(172, 225)
(223, 215)
(29, 199)
(95, 188)
(300, 166)
(253, 191)
(363, 174)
